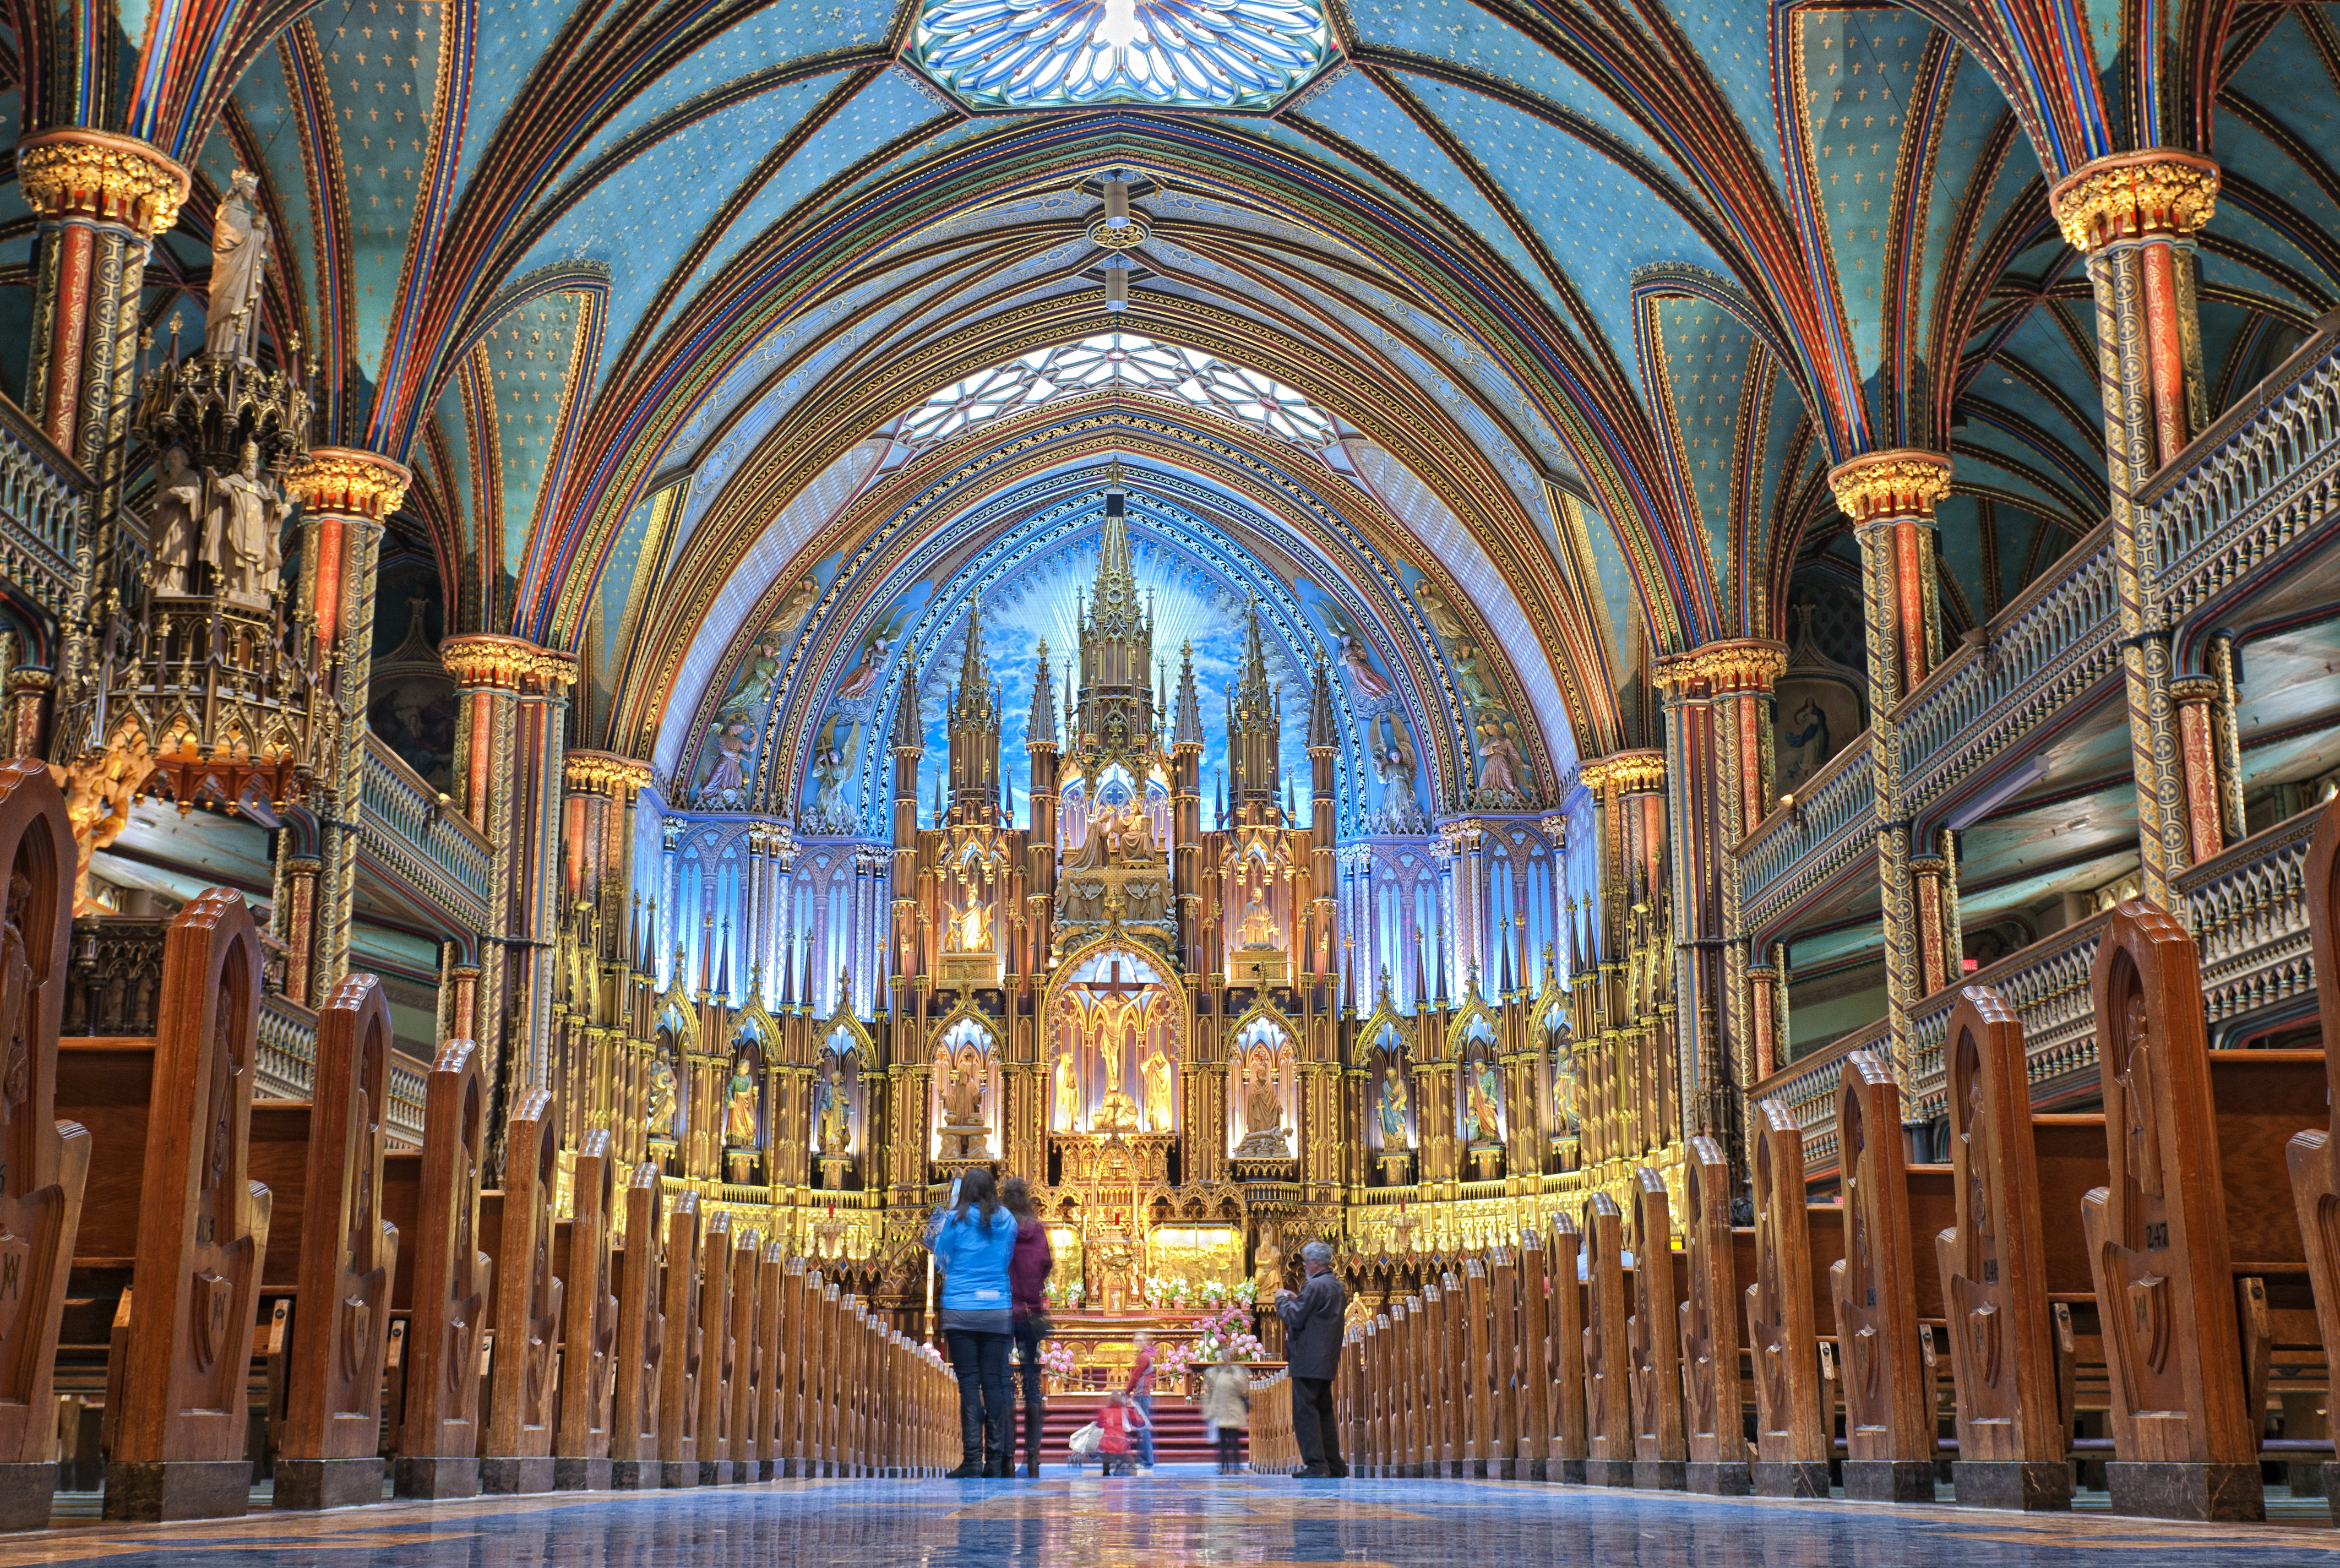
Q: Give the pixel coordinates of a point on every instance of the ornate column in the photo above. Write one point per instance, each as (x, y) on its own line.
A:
(1934, 888)
(346, 497)
(100, 199)
(2135, 216)
(1767, 1038)
(1889, 496)
(2200, 702)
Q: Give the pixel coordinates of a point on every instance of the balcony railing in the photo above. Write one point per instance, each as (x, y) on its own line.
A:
(2247, 910)
(430, 846)
(288, 1063)
(1795, 850)
(43, 495)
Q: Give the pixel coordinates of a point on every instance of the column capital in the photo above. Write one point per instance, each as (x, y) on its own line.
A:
(2196, 689)
(349, 482)
(1628, 772)
(1900, 482)
(485, 658)
(1740, 664)
(2135, 196)
(100, 176)
(604, 773)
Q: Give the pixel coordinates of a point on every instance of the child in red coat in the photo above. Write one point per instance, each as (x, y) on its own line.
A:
(1117, 1420)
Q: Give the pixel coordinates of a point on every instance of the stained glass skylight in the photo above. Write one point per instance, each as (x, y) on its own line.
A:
(1079, 54)
(1138, 363)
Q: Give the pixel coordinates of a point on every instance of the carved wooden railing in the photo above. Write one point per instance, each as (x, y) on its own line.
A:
(44, 494)
(425, 844)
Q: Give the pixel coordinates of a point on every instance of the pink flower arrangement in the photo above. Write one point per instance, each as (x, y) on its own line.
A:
(1228, 1337)
(1172, 1360)
(1056, 1359)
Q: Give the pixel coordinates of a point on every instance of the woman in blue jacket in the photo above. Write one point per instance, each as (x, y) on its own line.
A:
(973, 1241)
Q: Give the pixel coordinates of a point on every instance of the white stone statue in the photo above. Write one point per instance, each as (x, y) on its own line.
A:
(238, 266)
(178, 499)
(240, 532)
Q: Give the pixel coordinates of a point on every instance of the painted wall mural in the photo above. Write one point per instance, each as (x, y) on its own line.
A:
(724, 772)
(1502, 780)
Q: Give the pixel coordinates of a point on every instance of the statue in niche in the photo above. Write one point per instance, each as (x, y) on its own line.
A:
(1068, 1091)
(1262, 1115)
(862, 679)
(1116, 1112)
(739, 1104)
(1393, 1107)
(1480, 1123)
(240, 531)
(1500, 762)
(1391, 750)
(1351, 655)
(665, 1100)
(833, 1121)
(239, 270)
(1156, 1077)
(1258, 928)
(963, 1098)
(178, 501)
(970, 925)
(726, 778)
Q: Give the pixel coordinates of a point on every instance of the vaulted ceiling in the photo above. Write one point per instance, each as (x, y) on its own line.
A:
(1590, 293)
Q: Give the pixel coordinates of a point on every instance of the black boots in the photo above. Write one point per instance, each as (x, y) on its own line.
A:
(1034, 1417)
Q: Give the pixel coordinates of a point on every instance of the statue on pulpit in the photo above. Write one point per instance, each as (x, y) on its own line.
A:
(1258, 928)
(970, 925)
(1157, 1074)
(1263, 1117)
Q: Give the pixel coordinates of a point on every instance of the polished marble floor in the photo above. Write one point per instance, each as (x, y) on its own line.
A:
(1163, 1520)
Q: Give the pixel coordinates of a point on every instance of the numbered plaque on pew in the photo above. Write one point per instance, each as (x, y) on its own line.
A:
(2314, 1157)
(1889, 1419)
(202, 1234)
(1653, 1340)
(642, 1336)
(1792, 1446)
(677, 1431)
(527, 1312)
(438, 1441)
(2182, 1424)
(1711, 1418)
(348, 1264)
(2012, 1451)
(589, 1329)
(44, 1163)
(1608, 1402)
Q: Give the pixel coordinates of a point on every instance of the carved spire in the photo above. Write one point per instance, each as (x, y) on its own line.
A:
(1187, 730)
(1321, 735)
(909, 726)
(1040, 729)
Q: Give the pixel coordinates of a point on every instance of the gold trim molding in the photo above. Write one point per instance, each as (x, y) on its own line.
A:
(349, 482)
(484, 658)
(1627, 772)
(1744, 664)
(102, 176)
(1128, 238)
(1900, 482)
(2135, 196)
(604, 772)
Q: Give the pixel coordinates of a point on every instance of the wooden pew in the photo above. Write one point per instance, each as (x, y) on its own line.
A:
(196, 1223)
(522, 1414)
(347, 1255)
(1653, 1342)
(2014, 1447)
(1608, 1402)
(771, 1358)
(1712, 1411)
(711, 1422)
(1475, 1357)
(1566, 1338)
(747, 1375)
(635, 1389)
(1371, 1457)
(2314, 1154)
(678, 1429)
(1791, 1441)
(44, 1162)
(439, 1438)
(1889, 1421)
(2190, 1146)
(1451, 1395)
(1536, 1369)
(589, 1330)
(790, 1448)
(1510, 1359)
(1414, 1444)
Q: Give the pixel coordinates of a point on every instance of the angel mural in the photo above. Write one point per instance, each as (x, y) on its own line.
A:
(1390, 751)
(1502, 769)
(1352, 654)
(835, 749)
(1498, 741)
(861, 682)
(730, 754)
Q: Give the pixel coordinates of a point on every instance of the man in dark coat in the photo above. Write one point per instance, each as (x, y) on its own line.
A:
(1313, 1330)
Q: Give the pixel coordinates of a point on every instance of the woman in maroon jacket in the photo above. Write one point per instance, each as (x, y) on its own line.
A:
(1027, 1276)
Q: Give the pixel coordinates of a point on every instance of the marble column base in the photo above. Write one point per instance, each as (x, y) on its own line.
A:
(2175, 1489)
(1659, 1476)
(27, 1492)
(1609, 1472)
(1506, 1469)
(2038, 1486)
(437, 1478)
(717, 1473)
(306, 1483)
(678, 1472)
(580, 1475)
(1535, 1469)
(1889, 1480)
(510, 1476)
(1715, 1478)
(765, 1470)
(1790, 1478)
(790, 1469)
(1567, 1472)
(143, 1491)
(633, 1475)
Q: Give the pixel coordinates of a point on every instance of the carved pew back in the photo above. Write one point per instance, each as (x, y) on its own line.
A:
(636, 1395)
(589, 1328)
(199, 1224)
(1474, 1354)
(1712, 1411)
(1536, 1371)
(1889, 1419)
(747, 1377)
(2012, 1436)
(714, 1415)
(438, 1441)
(678, 1432)
(771, 1358)
(1792, 1444)
(1653, 1339)
(527, 1311)
(791, 1449)
(1564, 1298)
(44, 1162)
(347, 1260)
(1608, 1402)
(1511, 1359)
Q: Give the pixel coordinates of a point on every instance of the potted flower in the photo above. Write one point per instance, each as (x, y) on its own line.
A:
(1058, 1366)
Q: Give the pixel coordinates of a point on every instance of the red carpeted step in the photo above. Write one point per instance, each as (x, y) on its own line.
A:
(1180, 1435)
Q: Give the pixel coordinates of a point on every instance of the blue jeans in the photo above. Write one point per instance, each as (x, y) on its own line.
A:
(1145, 1435)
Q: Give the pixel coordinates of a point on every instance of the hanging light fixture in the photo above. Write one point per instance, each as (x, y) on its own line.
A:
(1117, 204)
(1116, 287)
